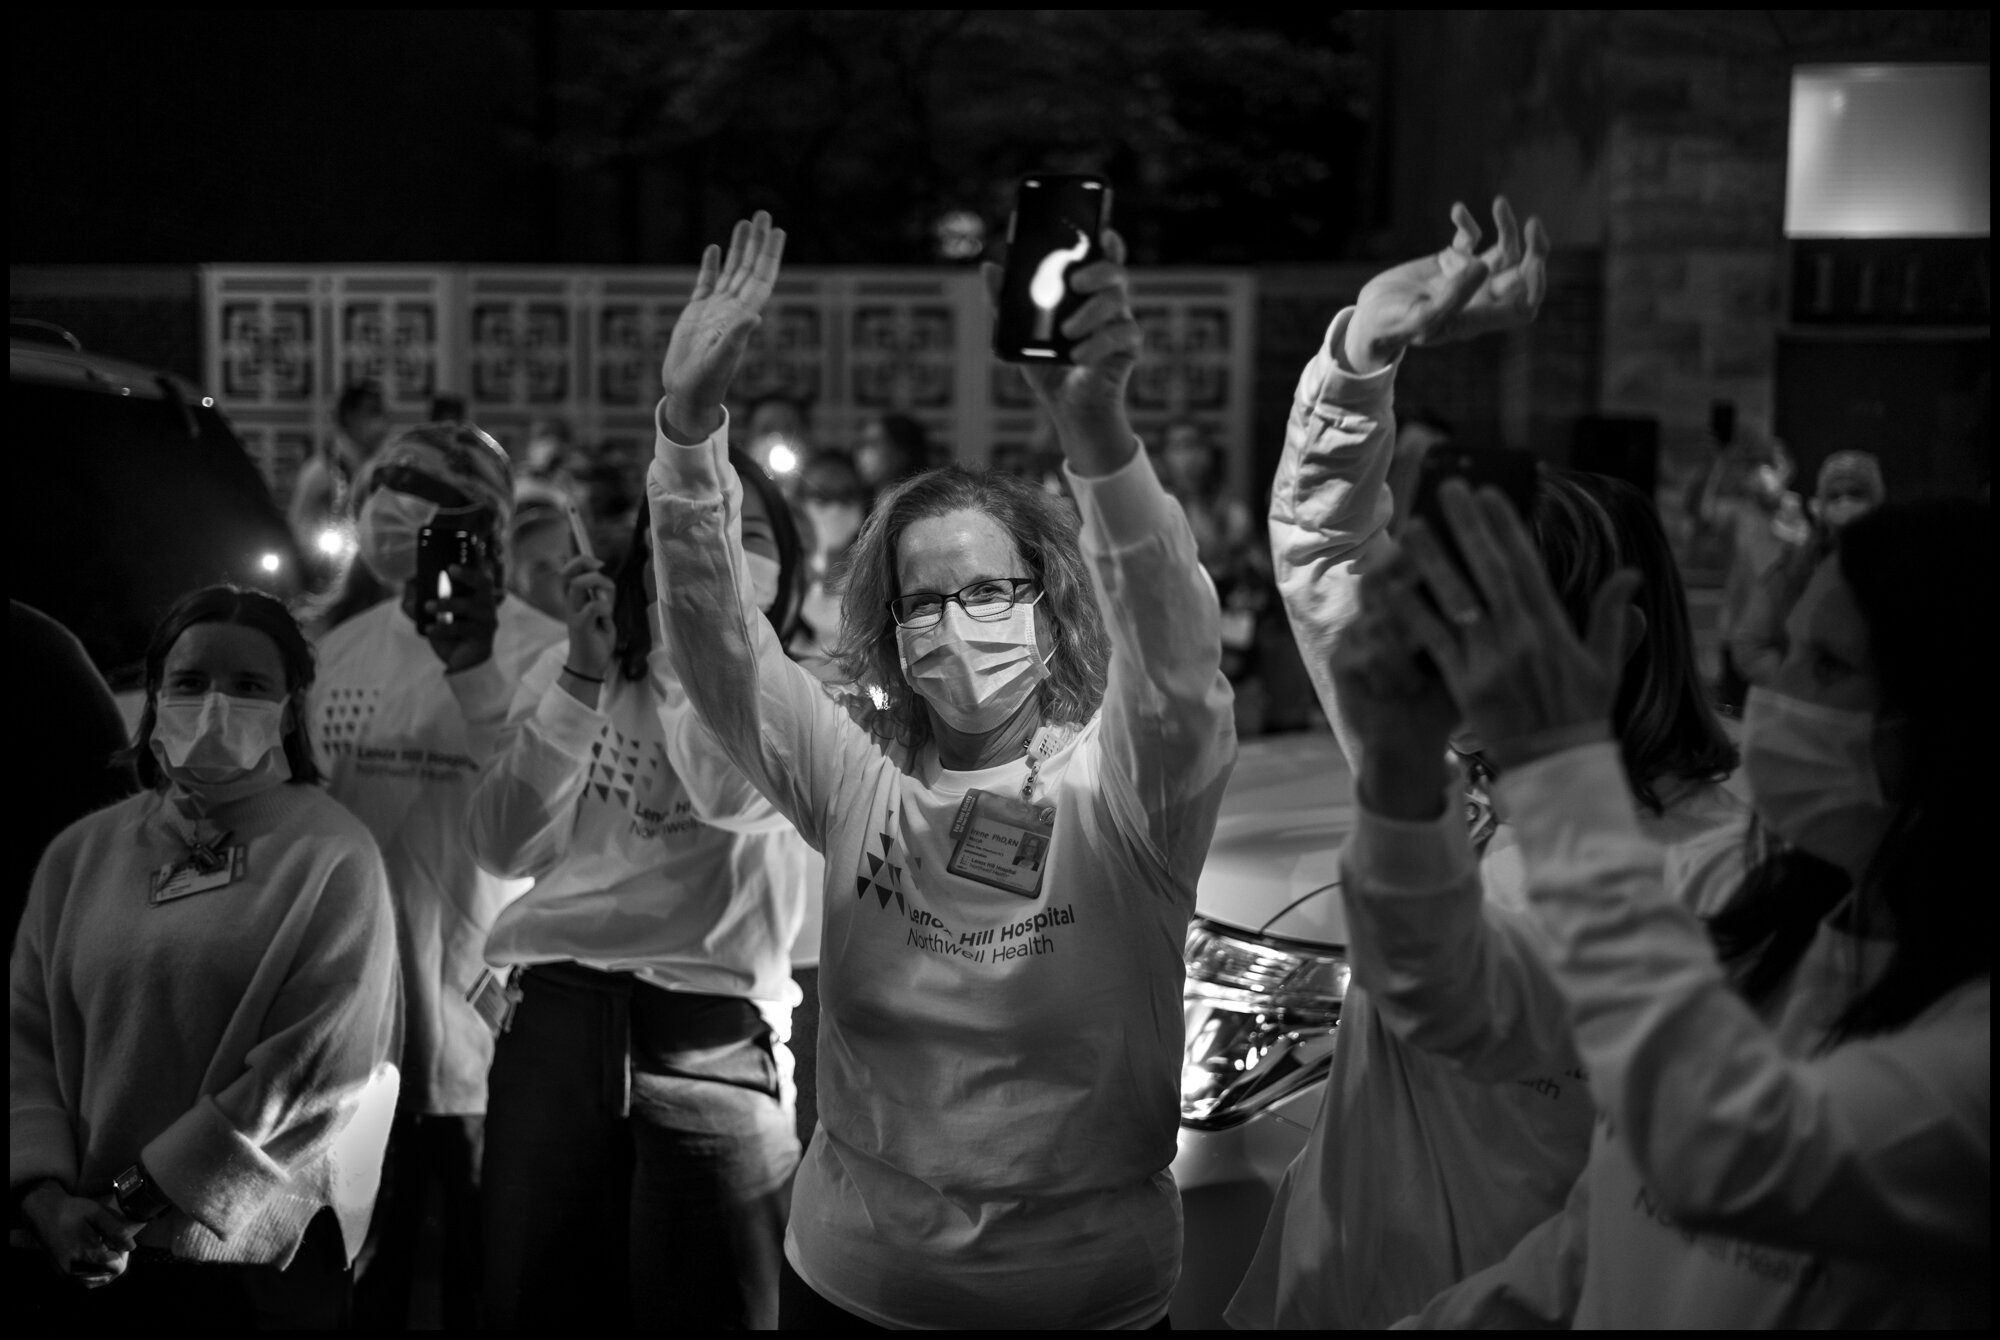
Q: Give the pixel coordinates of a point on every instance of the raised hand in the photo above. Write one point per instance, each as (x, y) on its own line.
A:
(714, 329)
(1454, 294)
(1086, 401)
(1526, 682)
(461, 627)
(587, 603)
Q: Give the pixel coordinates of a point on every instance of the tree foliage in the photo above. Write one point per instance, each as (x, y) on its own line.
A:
(1228, 136)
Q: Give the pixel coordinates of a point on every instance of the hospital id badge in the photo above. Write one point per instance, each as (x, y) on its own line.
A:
(494, 998)
(1000, 841)
(183, 878)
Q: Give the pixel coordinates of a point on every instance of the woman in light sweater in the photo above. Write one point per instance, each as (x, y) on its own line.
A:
(1795, 1100)
(1013, 805)
(203, 1009)
(640, 1136)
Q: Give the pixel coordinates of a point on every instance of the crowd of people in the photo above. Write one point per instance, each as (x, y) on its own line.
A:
(485, 900)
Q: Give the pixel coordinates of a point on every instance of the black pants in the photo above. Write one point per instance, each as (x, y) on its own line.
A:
(424, 1151)
(154, 1297)
(800, 1308)
(638, 1160)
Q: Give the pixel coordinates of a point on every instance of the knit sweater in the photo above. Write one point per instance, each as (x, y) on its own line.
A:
(239, 1041)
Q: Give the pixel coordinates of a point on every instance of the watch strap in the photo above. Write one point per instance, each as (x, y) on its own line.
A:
(139, 1196)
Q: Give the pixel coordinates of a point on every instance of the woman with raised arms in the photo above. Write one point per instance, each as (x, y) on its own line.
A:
(1014, 799)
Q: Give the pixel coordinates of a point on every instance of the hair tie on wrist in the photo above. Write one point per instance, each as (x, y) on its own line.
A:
(588, 679)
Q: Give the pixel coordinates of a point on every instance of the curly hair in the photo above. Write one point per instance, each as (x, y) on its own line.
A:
(1044, 529)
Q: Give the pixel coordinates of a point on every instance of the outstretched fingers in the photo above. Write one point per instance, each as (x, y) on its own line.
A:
(1506, 252)
(711, 269)
(1441, 574)
(1535, 268)
(1485, 557)
(739, 240)
(1466, 240)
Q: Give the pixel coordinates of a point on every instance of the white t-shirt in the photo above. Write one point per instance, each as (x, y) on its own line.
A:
(403, 744)
(998, 1071)
(650, 852)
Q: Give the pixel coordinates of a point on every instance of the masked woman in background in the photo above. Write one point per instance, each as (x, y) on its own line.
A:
(1795, 1100)
(1013, 805)
(639, 1127)
(203, 1010)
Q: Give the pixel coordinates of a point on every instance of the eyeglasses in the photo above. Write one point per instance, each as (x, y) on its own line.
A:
(985, 601)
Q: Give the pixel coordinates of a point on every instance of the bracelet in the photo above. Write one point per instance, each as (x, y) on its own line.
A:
(588, 679)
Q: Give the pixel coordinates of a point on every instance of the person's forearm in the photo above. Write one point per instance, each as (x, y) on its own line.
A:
(1402, 785)
(584, 690)
(1330, 506)
(1097, 442)
(686, 423)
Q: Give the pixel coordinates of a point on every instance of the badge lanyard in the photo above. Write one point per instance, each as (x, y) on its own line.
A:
(210, 863)
(1002, 842)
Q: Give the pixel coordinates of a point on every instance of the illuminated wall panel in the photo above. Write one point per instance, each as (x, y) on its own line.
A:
(1890, 151)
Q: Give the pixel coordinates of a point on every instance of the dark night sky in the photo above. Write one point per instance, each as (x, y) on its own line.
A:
(480, 136)
(297, 136)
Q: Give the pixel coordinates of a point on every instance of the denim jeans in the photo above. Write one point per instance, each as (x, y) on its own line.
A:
(638, 1162)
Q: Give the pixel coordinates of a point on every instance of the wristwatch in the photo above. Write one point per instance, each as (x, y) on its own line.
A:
(138, 1195)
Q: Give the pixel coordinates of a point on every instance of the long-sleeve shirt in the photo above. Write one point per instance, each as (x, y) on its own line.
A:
(403, 744)
(1742, 1174)
(998, 1071)
(651, 854)
(1430, 1156)
(241, 1040)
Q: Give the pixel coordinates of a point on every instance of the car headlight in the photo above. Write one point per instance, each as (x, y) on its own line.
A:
(1260, 1019)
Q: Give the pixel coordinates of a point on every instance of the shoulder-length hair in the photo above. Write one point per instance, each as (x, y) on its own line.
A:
(1589, 525)
(634, 635)
(249, 609)
(1044, 529)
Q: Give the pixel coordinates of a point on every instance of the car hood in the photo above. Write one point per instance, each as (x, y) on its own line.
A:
(1273, 868)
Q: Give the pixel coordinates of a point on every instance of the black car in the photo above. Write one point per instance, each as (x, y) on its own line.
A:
(130, 489)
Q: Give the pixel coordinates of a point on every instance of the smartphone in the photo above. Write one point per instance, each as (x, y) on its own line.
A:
(1514, 473)
(577, 532)
(440, 548)
(1058, 223)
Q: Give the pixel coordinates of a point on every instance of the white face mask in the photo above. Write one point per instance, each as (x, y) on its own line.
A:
(1813, 779)
(974, 674)
(219, 747)
(386, 533)
(764, 574)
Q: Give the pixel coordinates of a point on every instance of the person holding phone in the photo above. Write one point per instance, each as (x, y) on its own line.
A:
(1443, 1139)
(1000, 1042)
(644, 1069)
(203, 1012)
(408, 698)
